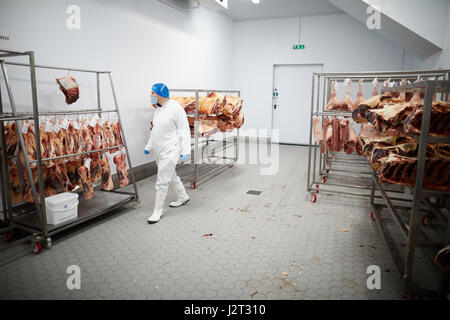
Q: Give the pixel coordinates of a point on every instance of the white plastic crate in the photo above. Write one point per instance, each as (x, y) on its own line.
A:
(61, 207)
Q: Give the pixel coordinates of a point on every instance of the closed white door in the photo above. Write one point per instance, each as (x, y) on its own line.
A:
(291, 105)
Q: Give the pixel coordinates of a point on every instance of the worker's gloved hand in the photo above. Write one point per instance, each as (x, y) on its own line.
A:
(146, 152)
(184, 157)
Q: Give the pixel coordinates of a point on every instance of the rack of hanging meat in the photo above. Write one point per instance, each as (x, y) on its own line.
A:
(69, 150)
(414, 153)
(215, 117)
(336, 164)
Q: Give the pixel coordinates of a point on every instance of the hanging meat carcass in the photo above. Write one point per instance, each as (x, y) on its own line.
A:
(333, 103)
(62, 176)
(328, 134)
(375, 84)
(317, 130)
(333, 143)
(85, 175)
(72, 173)
(185, 102)
(359, 114)
(346, 103)
(439, 122)
(225, 124)
(108, 133)
(79, 142)
(232, 106)
(239, 120)
(17, 191)
(107, 182)
(96, 170)
(402, 171)
(350, 144)
(121, 167)
(29, 139)
(11, 138)
(87, 138)
(390, 116)
(69, 87)
(117, 133)
(206, 105)
(28, 194)
(51, 183)
(359, 95)
(71, 142)
(344, 133)
(380, 153)
(417, 96)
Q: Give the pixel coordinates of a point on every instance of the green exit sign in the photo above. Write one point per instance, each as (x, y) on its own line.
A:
(298, 46)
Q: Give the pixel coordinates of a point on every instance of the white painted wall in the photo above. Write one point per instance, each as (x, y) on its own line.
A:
(140, 41)
(426, 18)
(338, 41)
(439, 61)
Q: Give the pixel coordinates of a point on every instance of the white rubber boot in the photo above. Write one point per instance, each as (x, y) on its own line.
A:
(183, 198)
(159, 205)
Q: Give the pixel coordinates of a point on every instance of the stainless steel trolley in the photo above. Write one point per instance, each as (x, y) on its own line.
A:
(336, 172)
(200, 147)
(33, 220)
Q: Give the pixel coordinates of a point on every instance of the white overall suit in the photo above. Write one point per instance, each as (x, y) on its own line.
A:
(170, 137)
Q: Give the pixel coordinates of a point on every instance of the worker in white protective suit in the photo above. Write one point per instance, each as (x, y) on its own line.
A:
(170, 139)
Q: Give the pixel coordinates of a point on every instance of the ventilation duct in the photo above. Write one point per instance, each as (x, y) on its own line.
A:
(182, 4)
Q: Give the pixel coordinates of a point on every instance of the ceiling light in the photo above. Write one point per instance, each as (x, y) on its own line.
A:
(255, 1)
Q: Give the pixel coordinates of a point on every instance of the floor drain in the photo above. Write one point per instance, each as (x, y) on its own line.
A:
(254, 192)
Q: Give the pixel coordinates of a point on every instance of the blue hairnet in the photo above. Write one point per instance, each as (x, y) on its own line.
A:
(161, 90)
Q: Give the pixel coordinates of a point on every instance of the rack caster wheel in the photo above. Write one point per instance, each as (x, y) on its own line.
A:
(36, 247)
(193, 185)
(426, 221)
(313, 198)
(323, 179)
(372, 216)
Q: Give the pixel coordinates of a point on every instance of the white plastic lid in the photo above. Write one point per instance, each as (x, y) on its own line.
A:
(61, 199)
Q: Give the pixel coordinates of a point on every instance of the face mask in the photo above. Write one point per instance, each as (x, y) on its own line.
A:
(153, 100)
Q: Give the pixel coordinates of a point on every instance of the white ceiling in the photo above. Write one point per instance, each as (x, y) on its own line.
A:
(246, 10)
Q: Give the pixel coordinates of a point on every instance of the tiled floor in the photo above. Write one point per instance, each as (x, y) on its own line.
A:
(277, 245)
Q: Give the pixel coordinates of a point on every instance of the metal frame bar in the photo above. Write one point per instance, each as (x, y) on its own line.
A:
(22, 143)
